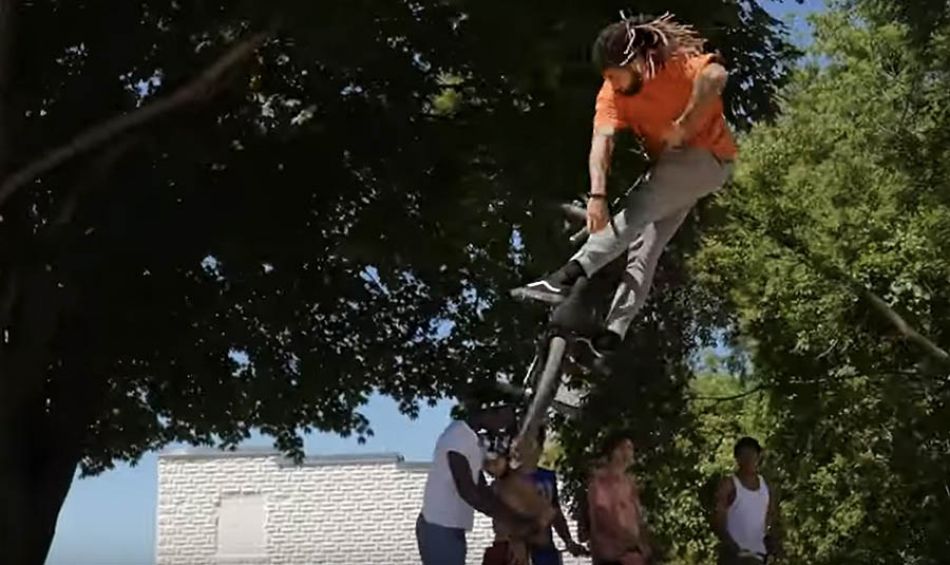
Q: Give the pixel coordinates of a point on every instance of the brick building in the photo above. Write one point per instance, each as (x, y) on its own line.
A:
(253, 507)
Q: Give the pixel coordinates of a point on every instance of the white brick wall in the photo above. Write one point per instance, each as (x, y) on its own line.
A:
(350, 510)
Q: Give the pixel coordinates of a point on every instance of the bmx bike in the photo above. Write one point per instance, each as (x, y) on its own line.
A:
(557, 355)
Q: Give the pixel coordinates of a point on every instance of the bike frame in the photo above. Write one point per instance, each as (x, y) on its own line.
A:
(542, 395)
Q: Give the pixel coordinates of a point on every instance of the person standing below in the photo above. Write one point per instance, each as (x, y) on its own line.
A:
(746, 510)
(618, 533)
(516, 488)
(455, 488)
(545, 480)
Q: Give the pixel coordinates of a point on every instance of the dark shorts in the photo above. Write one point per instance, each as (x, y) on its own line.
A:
(726, 557)
(601, 562)
(737, 560)
(546, 557)
(439, 545)
(496, 554)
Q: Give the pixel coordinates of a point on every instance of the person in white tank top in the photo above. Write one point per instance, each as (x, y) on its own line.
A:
(745, 510)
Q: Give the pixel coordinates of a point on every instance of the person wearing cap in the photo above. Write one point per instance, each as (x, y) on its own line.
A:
(746, 510)
(530, 489)
(515, 487)
(455, 486)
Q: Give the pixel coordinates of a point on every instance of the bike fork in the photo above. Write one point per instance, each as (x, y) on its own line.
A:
(546, 388)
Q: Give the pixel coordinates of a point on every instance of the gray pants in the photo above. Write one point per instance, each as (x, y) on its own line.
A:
(653, 213)
(439, 545)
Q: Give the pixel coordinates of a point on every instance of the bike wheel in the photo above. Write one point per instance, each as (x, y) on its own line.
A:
(547, 387)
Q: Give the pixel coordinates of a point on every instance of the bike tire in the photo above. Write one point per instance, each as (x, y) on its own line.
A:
(546, 388)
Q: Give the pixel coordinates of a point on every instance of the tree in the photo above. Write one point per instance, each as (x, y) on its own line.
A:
(241, 215)
(836, 225)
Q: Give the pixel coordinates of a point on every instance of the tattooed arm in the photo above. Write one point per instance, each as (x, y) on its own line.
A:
(707, 87)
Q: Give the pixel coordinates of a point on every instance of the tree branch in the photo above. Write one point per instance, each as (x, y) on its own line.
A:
(807, 382)
(95, 174)
(719, 399)
(200, 87)
(834, 273)
(906, 329)
(9, 287)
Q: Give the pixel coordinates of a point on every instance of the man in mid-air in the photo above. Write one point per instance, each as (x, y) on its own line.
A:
(659, 84)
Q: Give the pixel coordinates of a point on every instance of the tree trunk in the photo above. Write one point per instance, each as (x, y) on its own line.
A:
(34, 481)
(37, 467)
(42, 422)
(40, 450)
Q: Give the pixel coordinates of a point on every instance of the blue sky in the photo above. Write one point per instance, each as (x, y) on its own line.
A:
(110, 519)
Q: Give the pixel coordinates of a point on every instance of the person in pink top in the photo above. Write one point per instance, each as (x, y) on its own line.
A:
(618, 535)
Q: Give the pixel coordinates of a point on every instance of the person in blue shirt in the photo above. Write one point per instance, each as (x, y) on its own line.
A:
(545, 481)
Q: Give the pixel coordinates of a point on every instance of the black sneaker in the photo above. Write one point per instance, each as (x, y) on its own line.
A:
(606, 365)
(553, 288)
(544, 290)
(576, 315)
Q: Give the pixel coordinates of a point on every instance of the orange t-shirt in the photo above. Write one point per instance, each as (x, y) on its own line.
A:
(661, 100)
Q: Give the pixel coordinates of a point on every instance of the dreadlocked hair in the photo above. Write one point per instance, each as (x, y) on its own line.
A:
(656, 39)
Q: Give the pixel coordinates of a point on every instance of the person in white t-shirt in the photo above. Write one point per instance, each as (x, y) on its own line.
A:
(746, 510)
(456, 488)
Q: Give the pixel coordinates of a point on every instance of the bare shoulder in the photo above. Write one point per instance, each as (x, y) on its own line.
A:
(595, 483)
(726, 486)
